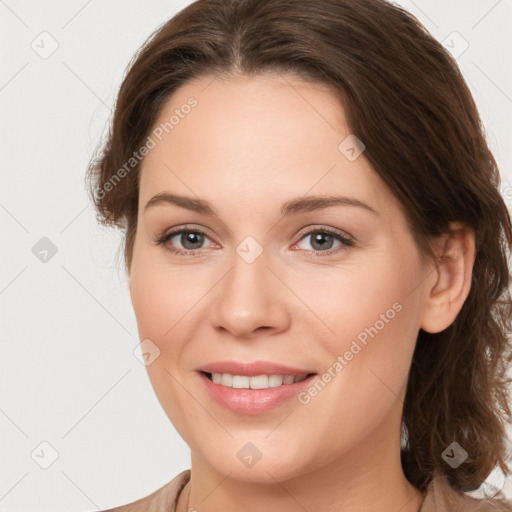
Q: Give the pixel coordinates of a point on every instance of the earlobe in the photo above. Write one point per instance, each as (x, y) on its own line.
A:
(450, 281)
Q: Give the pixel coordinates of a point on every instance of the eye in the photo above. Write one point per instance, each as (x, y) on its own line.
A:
(190, 240)
(322, 240)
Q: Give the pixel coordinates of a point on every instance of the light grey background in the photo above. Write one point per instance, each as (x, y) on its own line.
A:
(68, 371)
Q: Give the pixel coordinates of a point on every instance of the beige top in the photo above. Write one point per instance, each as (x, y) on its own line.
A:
(440, 497)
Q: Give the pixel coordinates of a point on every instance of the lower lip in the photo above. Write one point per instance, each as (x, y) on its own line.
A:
(253, 401)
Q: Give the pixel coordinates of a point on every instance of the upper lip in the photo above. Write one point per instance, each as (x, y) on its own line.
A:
(252, 369)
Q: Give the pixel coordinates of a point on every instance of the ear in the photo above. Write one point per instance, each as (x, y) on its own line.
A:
(450, 281)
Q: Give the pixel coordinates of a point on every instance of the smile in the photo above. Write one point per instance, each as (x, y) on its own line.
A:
(253, 388)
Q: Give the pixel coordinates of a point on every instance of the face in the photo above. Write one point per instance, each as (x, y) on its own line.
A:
(255, 267)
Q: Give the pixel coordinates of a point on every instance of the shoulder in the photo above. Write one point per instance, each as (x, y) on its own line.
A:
(442, 497)
(161, 500)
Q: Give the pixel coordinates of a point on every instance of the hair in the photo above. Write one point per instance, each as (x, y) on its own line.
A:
(405, 98)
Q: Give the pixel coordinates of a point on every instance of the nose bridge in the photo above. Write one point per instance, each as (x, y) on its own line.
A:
(248, 295)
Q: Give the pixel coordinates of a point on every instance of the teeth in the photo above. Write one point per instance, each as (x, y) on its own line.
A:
(256, 382)
(288, 379)
(240, 381)
(275, 380)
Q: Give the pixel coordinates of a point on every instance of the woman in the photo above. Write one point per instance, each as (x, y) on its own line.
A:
(317, 257)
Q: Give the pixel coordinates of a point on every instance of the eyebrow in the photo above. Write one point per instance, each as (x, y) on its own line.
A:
(291, 207)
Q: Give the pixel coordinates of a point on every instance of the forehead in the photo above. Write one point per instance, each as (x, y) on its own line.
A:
(260, 137)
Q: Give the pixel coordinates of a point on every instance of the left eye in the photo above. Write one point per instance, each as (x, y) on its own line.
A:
(322, 241)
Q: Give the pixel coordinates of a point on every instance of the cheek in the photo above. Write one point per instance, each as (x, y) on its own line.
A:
(374, 317)
(372, 312)
(161, 296)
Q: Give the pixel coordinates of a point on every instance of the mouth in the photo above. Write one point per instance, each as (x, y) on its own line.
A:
(252, 388)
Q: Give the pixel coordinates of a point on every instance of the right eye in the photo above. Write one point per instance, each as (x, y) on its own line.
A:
(191, 240)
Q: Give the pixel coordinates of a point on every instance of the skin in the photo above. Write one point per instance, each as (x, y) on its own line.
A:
(251, 144)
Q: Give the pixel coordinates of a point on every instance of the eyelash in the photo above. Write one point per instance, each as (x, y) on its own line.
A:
(162, 239)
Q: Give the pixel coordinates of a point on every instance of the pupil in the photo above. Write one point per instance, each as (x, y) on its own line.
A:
(189, 238)
(318, 238)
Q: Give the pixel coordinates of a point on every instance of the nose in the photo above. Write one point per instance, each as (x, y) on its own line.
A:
(251, 299)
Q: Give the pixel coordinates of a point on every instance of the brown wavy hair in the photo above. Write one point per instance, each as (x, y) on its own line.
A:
(405, 98)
